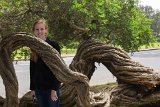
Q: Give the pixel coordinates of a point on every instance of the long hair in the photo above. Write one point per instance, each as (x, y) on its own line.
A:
(34, 55)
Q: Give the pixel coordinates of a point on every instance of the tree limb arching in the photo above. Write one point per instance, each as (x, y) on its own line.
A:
(136, 83)
(50, 56)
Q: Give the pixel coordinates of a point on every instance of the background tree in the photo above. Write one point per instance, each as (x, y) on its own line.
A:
(118, 22)
(154, 15)
(156, 23)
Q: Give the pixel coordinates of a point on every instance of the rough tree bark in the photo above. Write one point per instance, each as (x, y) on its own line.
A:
(50, 56)
(137, 85)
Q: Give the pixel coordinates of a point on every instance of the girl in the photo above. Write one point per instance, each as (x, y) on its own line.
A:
(43, 83)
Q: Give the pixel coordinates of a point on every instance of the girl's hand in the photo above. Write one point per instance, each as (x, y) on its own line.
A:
(54, 96)
(33, 95)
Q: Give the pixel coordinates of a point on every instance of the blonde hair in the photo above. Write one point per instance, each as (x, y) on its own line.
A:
(34, 55)
(40, 21)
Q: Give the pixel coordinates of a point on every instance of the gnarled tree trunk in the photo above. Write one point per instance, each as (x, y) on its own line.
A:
(137, 85)
(50, 56)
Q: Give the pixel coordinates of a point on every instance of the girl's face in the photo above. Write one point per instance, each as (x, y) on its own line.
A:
(40, 31)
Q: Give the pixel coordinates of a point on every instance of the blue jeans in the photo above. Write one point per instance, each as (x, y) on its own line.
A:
(44, 98)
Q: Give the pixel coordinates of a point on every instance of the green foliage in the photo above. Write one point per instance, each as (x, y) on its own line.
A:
(154, 16)
(68, 51)
(21, 53)
(129, 28)
(118, 22)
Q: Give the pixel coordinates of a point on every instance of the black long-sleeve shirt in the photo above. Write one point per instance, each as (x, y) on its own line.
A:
(41, 77)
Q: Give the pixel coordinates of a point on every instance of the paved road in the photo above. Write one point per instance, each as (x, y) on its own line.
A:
(100, 76)
(148, 58)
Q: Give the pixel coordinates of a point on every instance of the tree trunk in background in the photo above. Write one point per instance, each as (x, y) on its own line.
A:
(137, 85)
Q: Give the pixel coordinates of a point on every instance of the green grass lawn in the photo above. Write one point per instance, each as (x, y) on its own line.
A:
(153, 45)
(71, 52)
(96, 88)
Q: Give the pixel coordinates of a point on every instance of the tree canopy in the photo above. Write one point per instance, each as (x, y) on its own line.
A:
(117, 22)
(154, 15)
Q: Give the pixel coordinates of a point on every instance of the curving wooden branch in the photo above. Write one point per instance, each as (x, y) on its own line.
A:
(117, 61)
(137, 85)
(50, 56)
